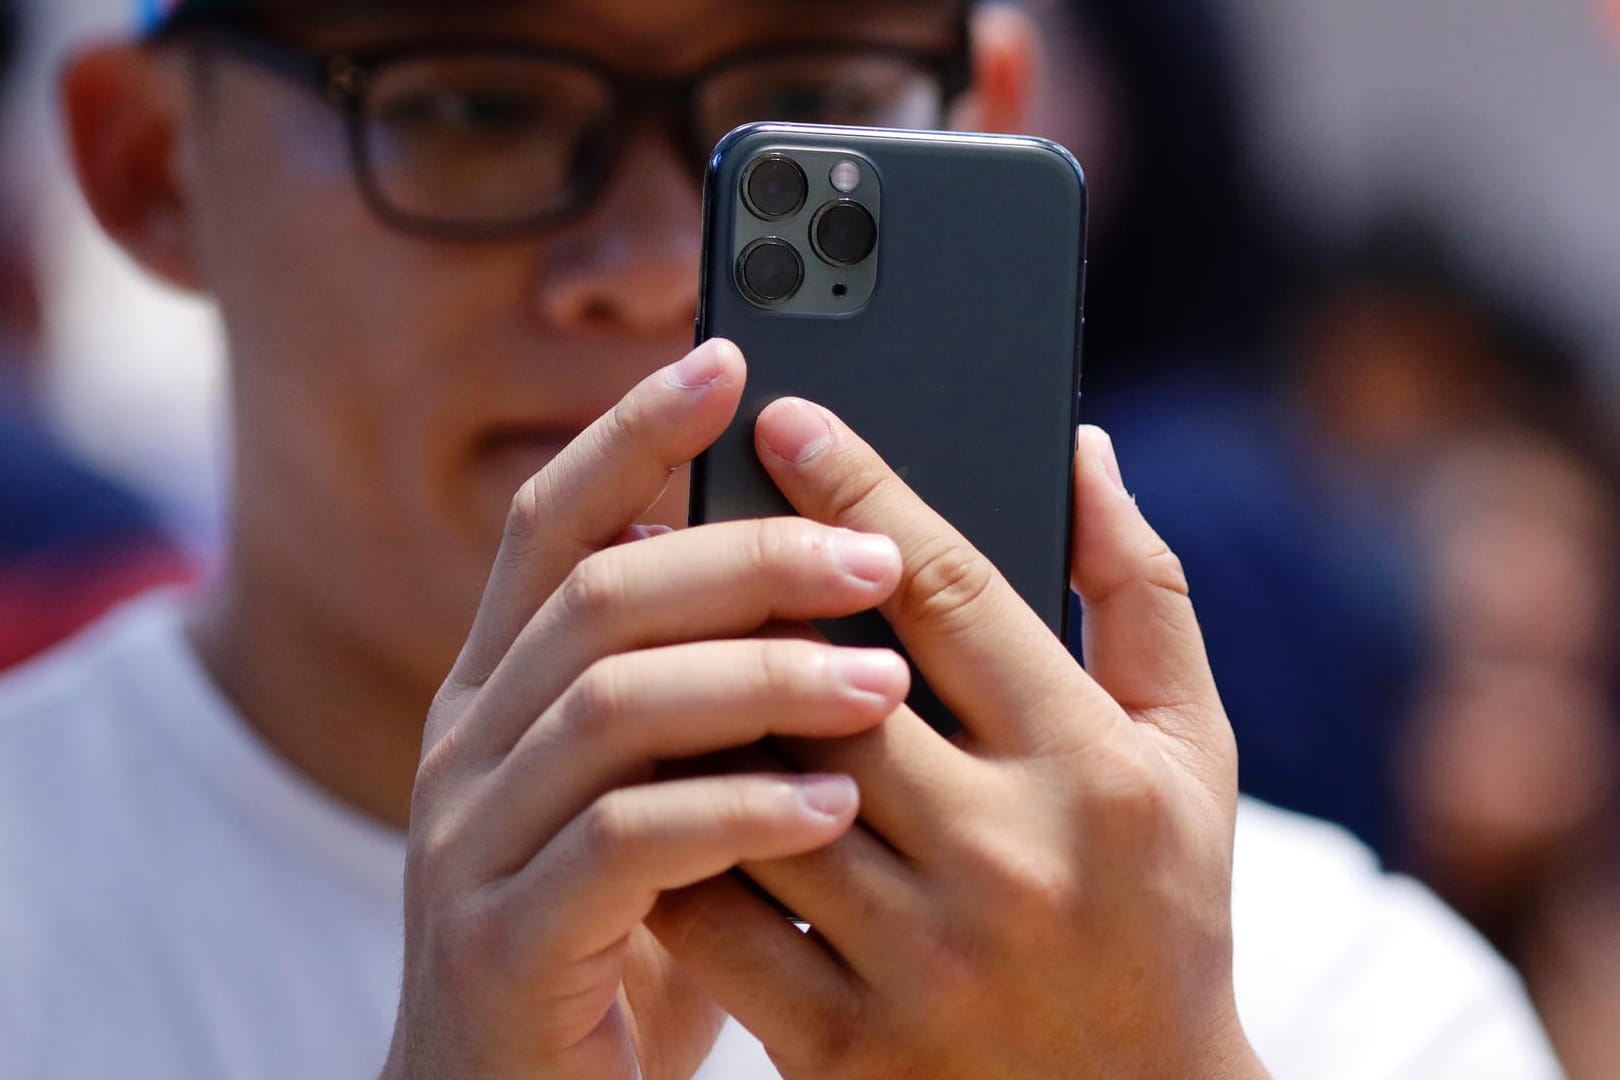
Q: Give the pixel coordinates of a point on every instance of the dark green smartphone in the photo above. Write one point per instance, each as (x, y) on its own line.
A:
(927, 287)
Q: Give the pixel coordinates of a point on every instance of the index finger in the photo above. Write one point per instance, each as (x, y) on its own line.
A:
(990, 658)
(586, 498)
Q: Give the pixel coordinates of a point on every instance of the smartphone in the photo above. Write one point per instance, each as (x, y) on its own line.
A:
(927, 287)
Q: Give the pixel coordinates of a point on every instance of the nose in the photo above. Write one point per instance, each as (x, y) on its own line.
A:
(630, 266)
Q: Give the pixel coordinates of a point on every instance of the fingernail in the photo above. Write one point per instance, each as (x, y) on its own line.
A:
(701, 367)
(828, 796)
(796, 431)
(871, 558)
(1101, 449)
(870, 671)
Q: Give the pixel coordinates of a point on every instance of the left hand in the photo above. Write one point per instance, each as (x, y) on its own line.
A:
(1049, 894)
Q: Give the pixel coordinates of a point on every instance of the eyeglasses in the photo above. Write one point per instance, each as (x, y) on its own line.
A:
(491, 140)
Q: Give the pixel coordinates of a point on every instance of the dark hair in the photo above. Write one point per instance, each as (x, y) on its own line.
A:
(1406, 253)
(10, 31)
(1194, 265)
(202, 12)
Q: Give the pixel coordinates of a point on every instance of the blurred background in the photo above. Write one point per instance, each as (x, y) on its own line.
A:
(1355, 326)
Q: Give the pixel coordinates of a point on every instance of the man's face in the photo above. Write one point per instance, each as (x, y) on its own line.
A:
(392, 392)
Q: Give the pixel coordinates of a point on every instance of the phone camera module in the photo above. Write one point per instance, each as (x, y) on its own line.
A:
(844, 232)
(770, 271)
(775, 187)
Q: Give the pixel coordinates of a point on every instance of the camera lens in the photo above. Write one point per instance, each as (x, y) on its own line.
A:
(770, 271)
(775, 187)
(844, 232)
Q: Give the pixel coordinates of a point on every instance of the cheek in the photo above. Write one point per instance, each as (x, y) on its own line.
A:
(329, 316)
(315, 148)
(279, 223)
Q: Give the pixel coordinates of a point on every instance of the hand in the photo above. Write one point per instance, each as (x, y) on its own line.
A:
(1049, 894)
(540, 835)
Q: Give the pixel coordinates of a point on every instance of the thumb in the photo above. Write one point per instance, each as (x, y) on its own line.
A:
(1141, 637)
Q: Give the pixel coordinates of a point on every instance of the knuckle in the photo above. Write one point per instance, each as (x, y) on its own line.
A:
(948, 579)
(441, 736)
(628, 426)
(435, 771)
(744, 810)
(443, 768)
(1130, 802)
(1037, 884)
(593, 587)
(1134, 782)
(852, 494)
(781, 544)
(625, 421)
(786, 667)
(731, 805)
(610, 827)
(1162, 568)
(449, 702)
(523, 516)
(1042, 890)
(596, 701)
(763, 547)
(434, 852)
(1153, 565)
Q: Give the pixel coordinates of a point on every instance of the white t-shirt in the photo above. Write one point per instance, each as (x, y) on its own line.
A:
(177, 903)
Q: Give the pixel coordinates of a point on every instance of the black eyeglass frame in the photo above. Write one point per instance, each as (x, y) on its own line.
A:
(343, 78)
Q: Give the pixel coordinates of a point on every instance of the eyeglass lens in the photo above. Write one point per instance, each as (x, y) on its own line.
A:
(479, 141)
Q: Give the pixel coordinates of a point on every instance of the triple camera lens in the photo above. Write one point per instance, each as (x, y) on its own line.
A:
(775, 187)
(771, 270)
(843, 232)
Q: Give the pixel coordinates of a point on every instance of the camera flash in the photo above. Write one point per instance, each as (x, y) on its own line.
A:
(846, 176)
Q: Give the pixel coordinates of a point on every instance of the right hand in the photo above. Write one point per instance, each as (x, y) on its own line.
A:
(540, 837)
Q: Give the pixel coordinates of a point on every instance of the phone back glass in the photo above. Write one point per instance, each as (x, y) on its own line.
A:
(962, 368)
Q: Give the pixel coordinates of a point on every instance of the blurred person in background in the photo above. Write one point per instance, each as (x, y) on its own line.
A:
(1399, 520)
(1512, 765)
(1303, 590)
(230, 847)
(1460, 412)
(72, 543)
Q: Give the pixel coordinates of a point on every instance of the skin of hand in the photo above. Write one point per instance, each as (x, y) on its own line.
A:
(1048, 895)
(540, 836)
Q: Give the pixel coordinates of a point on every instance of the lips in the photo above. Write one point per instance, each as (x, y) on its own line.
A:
(508, 449)
(505, 439)
(518, 452)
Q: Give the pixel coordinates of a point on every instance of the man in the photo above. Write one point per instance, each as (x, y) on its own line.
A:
(200, 840)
